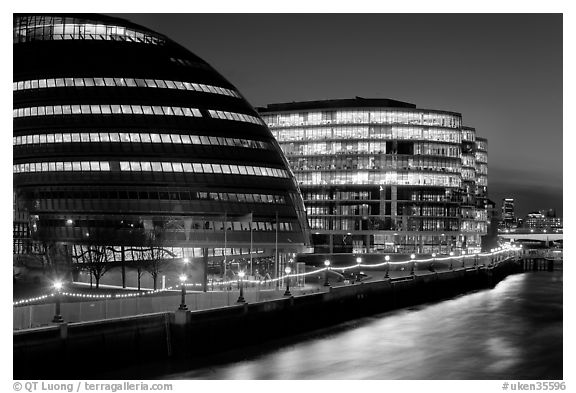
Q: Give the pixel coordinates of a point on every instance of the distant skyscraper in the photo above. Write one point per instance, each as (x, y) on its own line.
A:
(508, 215)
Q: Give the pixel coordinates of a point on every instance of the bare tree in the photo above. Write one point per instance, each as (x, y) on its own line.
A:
(155, 256)
(95, 259)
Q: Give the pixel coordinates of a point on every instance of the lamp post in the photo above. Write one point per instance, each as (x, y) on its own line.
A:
(241, 297)
(57, 315)
(183, 299)
(451, 266)
(327, 264)
(431, 267)
(287, 270)
(387, 259)
(463, 258)
(413, 270)
(358, 262)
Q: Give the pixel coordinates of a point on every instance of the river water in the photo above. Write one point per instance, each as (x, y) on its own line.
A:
(513, 331)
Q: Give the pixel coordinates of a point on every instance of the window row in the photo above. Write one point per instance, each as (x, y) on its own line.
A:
(181, 195)
(120, 82)
(379, 116)
(383, 224)
(217, 225)
(382, 162)
(416, 196)
(137, 166)
(76, 166)
(378, 147)
(482, 180)
(134, 253)
(481, 144)
(105, 109)
(468, 134)
(145, 166)
(235, 116)
(468, 160)
(482, 168)
(136, 137)
(468, 174)
(366, 132)
(481, 156)
(32, 28)
(384, 178)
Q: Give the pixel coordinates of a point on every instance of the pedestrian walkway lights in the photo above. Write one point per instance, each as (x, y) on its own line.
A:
(183, 279)
(287, 270)
(387, 259)
(413, 270)
(241, 297)
(57, 315)
(327, 264)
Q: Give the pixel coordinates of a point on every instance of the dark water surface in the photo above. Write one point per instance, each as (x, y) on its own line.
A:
(513, 331)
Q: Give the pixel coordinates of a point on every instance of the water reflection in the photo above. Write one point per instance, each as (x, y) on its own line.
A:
(511, 331)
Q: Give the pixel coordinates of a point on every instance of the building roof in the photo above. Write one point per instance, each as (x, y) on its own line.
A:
(357, 102)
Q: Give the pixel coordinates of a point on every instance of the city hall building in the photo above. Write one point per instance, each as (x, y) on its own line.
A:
(126, 139)
(379, 175)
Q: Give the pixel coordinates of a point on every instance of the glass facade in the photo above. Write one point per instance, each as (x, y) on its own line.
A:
(34, 28)
(378, 178)
(120, 82)
(137, 137)
(123, 137)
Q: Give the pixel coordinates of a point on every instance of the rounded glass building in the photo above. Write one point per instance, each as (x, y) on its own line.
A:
(383, 175)
(125, 139)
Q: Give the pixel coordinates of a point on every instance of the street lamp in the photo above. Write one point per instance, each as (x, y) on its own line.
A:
(451, 266)
(463, 258)
(358, 262)
(183, 300)
(413, 270)
(241, 297)
(431, 267)
(287, 270)
(57, 315)
(327, 264)
(387, 259)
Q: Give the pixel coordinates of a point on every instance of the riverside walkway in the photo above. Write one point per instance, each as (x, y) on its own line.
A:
(78, 306)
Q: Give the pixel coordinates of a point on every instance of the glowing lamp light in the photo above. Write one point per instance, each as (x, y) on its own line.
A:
(327, 262)
(358, 260)
(433, 255)
(241, 274)
(463, 252)
(387, 258)
(186, 260)
(288, 270)
(183, 278)
(412, 256)
(451, 253)
(58, 285)
(69, 221)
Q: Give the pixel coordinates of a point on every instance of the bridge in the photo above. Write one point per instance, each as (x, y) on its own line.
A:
(544, 237)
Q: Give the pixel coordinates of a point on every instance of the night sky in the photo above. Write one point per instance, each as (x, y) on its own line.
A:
(503, 72)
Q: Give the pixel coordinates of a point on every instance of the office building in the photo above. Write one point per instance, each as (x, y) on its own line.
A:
(380, 175)
(125, 139)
